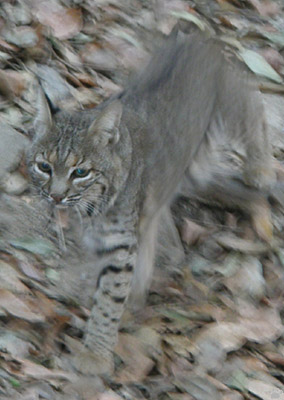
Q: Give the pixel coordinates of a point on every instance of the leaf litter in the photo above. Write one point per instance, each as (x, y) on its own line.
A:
(212, 326)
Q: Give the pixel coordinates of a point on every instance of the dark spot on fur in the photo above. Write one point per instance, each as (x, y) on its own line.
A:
(118, 299)
(109, 250)
(111, 268)
(129, 268)
(90, 208)
(106, 270)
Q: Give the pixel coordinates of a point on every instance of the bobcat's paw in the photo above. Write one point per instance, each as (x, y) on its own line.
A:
(260, 177)
(89, 363)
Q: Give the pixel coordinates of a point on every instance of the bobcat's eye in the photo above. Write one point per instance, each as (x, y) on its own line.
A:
(44, 167)
(80, 172)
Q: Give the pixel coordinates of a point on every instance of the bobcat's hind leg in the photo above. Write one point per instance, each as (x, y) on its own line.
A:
(259, 171)
(145, 261)
(159, 240)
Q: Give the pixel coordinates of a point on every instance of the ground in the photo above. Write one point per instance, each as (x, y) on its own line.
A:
(212, 327)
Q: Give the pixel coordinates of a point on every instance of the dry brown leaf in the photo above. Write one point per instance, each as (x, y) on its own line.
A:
(137, 364)
(109, 395)
(99, 58)
(65, 22)
(31, 271)
(108, 86)
(85, 79)
(266, 7)
(180, 396)
(273, 57)
(262, 222)
(9, 280)
(8, 46)
(178, 343)
(14, 345)
(259, 325)
(192, 233)
(226, 5)
(251, 363)
(178, 365)
(16, 81)
(18, 308)
(22, 36)
(235, 243)
(276, 358)
(248, 281)
(264, 391)
(32, 370)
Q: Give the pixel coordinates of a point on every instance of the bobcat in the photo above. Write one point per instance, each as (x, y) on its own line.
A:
(124, 161)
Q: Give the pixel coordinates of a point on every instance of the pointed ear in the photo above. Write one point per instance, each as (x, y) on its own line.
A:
(43, 118)
(105, 127)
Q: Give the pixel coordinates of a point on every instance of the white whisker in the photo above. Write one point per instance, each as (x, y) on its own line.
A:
(60, 233)
(77, 208)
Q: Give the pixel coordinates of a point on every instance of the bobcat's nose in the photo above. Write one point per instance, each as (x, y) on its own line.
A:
(57, 197)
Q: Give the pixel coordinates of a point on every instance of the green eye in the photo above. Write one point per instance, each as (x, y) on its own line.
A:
(44, 167)
(80, 172)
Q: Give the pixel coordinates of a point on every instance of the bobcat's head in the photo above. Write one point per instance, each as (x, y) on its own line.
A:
(78, 158)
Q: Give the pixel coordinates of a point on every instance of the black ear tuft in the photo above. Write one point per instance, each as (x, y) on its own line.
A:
(53, 108)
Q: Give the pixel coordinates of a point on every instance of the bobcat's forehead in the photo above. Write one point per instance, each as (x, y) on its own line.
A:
(52, 157)
(69, 159)
(72, 160)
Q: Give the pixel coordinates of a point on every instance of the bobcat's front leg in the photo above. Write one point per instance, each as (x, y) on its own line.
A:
(117, 249)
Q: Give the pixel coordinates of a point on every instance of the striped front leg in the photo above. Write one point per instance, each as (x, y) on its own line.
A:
(116, 249)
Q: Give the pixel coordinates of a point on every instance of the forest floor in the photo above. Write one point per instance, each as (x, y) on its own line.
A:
(212, 328)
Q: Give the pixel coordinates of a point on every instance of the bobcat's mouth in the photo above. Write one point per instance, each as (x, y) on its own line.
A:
(68, 201)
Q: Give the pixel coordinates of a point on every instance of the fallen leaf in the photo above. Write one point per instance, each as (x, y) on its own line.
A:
(257, 63)
(30, 270)
(277, 359)
(197, 386)
(273, 57)
(64, 22)
(99, 58)
(275, 37)
(18, 308)
(36, 371)
(22, 36)
(15, 80)
(192, 233)
(247, 281)
(263, 390)
(137, 364)
(262, 221)
(259, 325)
(15, 346)
(266, 7)
(8, 46)
(232, 242)
(190, 17)
(109, 395)
(14, 183)
(10, 279)
(37, 246)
